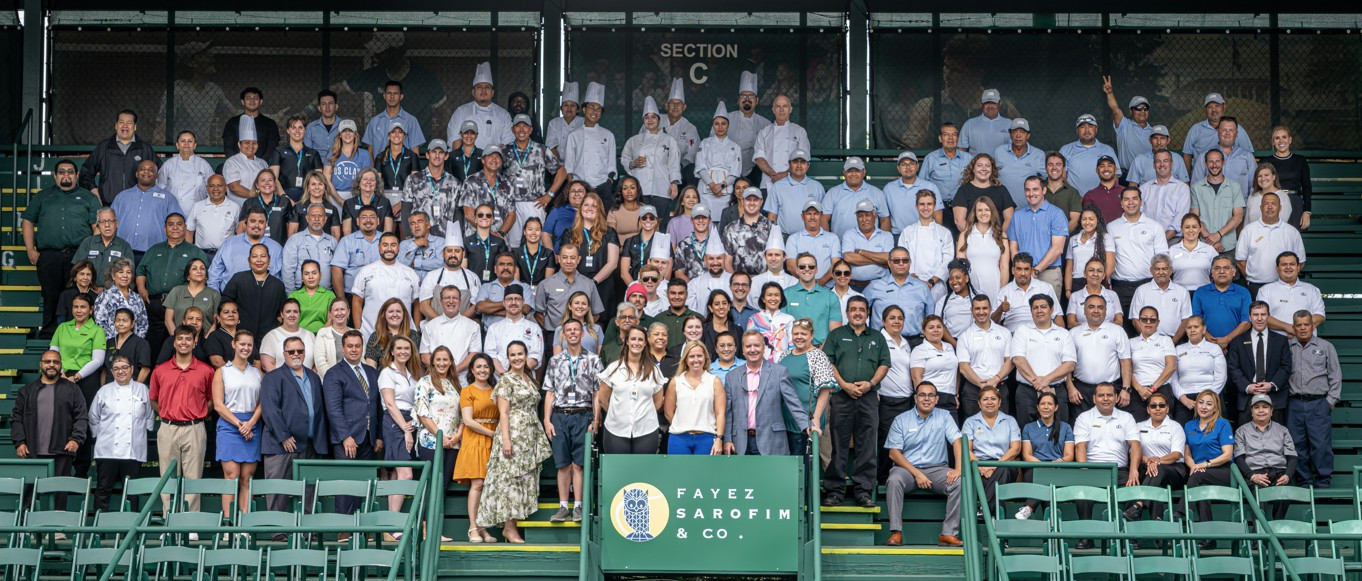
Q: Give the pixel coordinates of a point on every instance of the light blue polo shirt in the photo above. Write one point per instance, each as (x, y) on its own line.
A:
(1132, 140)
(913, 296)
(376, 132)
(923, 441)
(786, 200)
(983, 135)
(879, 241)
(1013, 170)
(945, 171)
(1202, 137)
(353, 252)
(320, 138)
(990, 443)
(1142, 169)
(1032, 229)
(1082, 161)
(822, 247)
(840, 202)
(902, 201)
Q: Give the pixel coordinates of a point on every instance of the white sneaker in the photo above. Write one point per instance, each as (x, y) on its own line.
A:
(193, 537)
(1023, 513)
(59, 536)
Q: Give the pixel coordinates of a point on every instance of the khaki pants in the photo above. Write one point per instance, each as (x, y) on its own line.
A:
(1054, 276)
(186, 445)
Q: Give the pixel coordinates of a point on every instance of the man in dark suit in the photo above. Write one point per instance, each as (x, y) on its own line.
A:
(295, 420)
(351, 393)
(1259, 362)
(760, 431)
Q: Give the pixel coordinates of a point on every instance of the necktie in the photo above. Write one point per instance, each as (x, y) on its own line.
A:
(368, 420)
(1260, 358)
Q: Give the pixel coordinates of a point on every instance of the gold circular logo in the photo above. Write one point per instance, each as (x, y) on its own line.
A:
(639, 512)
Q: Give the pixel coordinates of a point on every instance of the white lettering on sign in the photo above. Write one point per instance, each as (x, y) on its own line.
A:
(695, 76)
(7, 258)
(704, 51)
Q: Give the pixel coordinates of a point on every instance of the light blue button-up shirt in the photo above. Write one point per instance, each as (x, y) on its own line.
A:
(422, 260)
(142, 215)
(879, 241)
(305, 386)
(1132, 140)
(786, 200)
(902, 201)
(840, 202)
(924, 441)
(1082, 162)
(353, 252)
(233, 257)
(823, 247)
(983, 135)
(320, 138)
(1202, 137)
(302, 247)
(1142, 169)
(913, 296)
(990, 443)
(944, 171)
(376, 132)
(1013, 170)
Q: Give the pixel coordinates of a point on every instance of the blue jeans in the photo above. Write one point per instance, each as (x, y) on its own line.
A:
(694, 444)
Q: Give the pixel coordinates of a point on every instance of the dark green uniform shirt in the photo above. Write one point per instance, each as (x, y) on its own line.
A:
(856, 357)
(164, 266)
(674, 323)
(94, 250)
(63, 219)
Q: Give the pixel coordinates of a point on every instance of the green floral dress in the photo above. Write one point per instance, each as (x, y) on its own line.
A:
(511, 490)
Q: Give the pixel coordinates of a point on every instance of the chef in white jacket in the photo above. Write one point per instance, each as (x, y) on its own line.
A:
(494, 122)
(654, 158)
(590, 151)
(775, 143)
(682, 130)
(559, 127)
(718, 164)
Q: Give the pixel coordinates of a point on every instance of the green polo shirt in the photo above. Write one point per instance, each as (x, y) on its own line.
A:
(314, 307)
(77, 346)
(94, 250)
(1067, 199)
(674, 323)
(164, 266)
(856, 357)
(819, 304)
(63, 219)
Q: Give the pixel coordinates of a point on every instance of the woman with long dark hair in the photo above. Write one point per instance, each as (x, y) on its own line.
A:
(480, 418)
(631, 391)
(511, 488)
(1089, 241)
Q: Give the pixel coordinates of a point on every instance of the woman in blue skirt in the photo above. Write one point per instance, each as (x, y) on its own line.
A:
(236, 397)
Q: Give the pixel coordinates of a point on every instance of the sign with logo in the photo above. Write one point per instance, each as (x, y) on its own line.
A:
(700, 514)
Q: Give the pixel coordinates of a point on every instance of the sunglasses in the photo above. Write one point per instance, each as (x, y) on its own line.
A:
(808, 266)
(1157, 406)
(647, 217)
(295, 351)
(484, 215)
(649, 279)
(841, 273)
(1149, 320)
(899, 260)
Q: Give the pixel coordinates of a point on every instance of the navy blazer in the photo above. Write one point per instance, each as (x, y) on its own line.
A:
(285, 412)
(1239, 365)
(347, 407)
(774, 391)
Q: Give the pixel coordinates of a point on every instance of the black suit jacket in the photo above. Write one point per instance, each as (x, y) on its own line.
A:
(1239, 361)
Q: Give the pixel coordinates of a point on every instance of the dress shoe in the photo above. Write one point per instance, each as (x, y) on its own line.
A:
(895, 539)
(949, 541)
(865, 502)
(1083, 544)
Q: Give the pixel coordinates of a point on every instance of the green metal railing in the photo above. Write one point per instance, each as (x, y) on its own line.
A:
(142, 516)
(814, 504)
(969, 530)
(588, 563)
(435, 514)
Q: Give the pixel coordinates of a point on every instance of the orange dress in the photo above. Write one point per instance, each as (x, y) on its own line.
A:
(475, 449)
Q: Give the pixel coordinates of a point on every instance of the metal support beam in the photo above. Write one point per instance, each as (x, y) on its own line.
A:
(550, 68)
(35, 39)
(858, 54)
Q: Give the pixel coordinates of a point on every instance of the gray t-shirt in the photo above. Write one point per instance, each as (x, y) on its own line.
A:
(42, 441)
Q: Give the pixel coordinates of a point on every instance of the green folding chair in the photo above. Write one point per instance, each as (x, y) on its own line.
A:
(1146, 495)
(360, 562)
(330, 489)
(1161, 565)
(1108, 566)
(300, 564)
(1096, 527)
(139, 490)
(211, 487)
(1020, 491)
(1032, 567)
(1313, 563)
(239, 563)
(14, 561)
(267, 519)
(1269, 496)
(170, 563)
(1237, 567)
(86, 561)
(294, 490)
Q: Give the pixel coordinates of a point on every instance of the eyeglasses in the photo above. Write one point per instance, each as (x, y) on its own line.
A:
(481, 215)
(1157, 406)
(633, 317)
(899, 260)
(1139, 108)
(108, 221)
(295, 351)
(649, 279)
(122, 368)
(807, 266)
(740, 285)
(841, 273)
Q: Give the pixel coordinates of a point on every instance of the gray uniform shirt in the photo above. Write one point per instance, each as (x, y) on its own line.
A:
(551, 297)
(1315, 370)
(1263, 449)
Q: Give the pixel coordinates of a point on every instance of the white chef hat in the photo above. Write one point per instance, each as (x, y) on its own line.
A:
(453, 234)
(245, 128)
(720, 111)
(595, 93)
(662, 246)
(748, 83)
(569, 92)
(678, 90)
(483, 74)
(775, 241)
(650, 107)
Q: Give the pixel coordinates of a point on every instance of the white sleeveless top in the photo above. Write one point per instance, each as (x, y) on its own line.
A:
(695, 406)
(240, 389)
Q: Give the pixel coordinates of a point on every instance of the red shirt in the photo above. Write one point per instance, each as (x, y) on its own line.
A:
(182, 394)
(1106, 200)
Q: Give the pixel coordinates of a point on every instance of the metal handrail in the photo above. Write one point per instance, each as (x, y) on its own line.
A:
(969, 534)
(406, 545)
(1278, 551)
(815, 503)
(142, 516)
(584, 557)
(435, 511)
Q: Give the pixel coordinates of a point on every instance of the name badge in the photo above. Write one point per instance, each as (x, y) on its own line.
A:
(588, 261)
(298, 182)
(113, 253)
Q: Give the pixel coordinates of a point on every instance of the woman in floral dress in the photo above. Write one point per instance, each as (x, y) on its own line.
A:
(511, 490)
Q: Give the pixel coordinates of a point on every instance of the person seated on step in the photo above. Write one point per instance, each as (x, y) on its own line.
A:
(917, 445)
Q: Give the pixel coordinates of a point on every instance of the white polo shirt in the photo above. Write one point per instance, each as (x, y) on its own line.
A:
(212, 224)
(939, 366)
(1192, 268)
(1108, 437)
(1148, 358)
(1100, 352)
(1079, 295)
(460, 334)
(1259, 244)
(378, 282)
(984, 350)
(955, 311)
(1136, 243)
(1044, 350)
(1173, 303)
(1019, 312)
(897, 382)
(1283, 300)
(1158, 442)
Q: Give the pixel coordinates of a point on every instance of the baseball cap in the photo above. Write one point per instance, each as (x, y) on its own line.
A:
(1099, 160)
(1212, 98)
(647, 211)
(1260, 398)
(1086, 118)
(522, 118)
(753, 192)
(865, 206)
(346, 124)
(907, 155)
(991, 96)
(853, 162)
(469, 125)
(491, 150)
(1020, 123)
(437, 144)
(1136, 101)
(812, 204)
(1159, 130)
(699, 211)
(799, 154)
(396, 124)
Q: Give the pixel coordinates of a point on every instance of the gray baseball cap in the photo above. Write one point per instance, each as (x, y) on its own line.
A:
(522, 118)
(1260, 398)
(469, 125)
(647, 210)
(396, 124)
(812, 204)
(346, 124)
(991, 96)
(907, 155)
(865, 206)
(437, 144)
(1213, 98)
(799, 154)
(493, 149)
(1020, 123)
(1086, 118)
(699, 211)
(1159, 130)
(1136, 101)
(853, 162)
(753, 192)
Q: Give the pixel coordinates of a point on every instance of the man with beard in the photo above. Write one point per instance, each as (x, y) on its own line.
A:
(379, 281)
(56, 221)
(744, 124)
(49, 420)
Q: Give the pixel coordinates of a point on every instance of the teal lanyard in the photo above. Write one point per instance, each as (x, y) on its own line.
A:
(533, 266)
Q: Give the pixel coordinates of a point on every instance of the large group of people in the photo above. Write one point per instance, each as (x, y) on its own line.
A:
(332, 294)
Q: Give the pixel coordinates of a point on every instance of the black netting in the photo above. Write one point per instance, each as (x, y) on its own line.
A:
(1321, 87)
(633, 64)
(95, 74)
(11, 78)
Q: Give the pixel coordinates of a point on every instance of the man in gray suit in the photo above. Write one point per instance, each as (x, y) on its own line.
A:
(756, 392)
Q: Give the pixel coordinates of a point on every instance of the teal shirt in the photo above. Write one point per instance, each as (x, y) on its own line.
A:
(819, 304)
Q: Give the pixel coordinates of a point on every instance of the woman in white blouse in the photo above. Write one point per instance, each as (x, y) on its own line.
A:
(934, 361)
(397, 386)
(984, 245)
(236, 398)
(898, 386)
(695, 403)
(326, 350)
(1161, 444)
(1154, 360)
(631, 390)
(1192, 258)
(1090, 240)
(1094, 276)
(120, 417)
(272, 346)
(954, 308)
(1201, 366)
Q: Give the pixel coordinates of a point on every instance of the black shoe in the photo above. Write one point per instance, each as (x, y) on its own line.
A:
(1132, 512)
(832, 500)
(1206, 545)
(865, 502)
(1083, 544)
(1134, 545)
